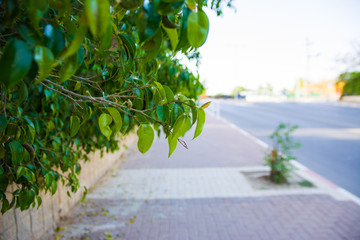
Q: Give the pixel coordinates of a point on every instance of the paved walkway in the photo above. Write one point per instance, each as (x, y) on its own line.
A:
(203, 193)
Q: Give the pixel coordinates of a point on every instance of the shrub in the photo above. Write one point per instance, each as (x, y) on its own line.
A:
(280, 155)
(77, 73)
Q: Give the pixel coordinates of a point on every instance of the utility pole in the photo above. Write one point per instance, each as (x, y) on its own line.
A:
(308, 43)
(309, 56)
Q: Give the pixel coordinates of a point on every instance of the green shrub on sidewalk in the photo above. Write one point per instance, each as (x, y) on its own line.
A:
(280, 155)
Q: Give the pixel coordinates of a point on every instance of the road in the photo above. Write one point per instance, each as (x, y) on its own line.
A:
(329, 134)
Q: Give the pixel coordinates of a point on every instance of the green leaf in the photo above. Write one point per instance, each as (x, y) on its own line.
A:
(26, 198)
(26, 156)
(56, 143)
(146, 137)
(77, 86)
(176, 111)
(15, 62)
(78, 168)
(48, 179)
(184, 99)
(104, 122)
(129, 45)
(30, 176)
(68, 68)
(131, 4)
(74, 125)
(162, 92)
(200, 122)
(163, 113)
(156, 95)
(35, 10)
(23, 93)
(194, 111)
(107, 37)
(169, 93)
(172, 141)
(117, 118)
(76, 42)
(148, 21)
(54, 39)
(126, 123)
(39, 200)
(141, 118)
(87, 114)
(31, 133)
(191, 4)
(2, 152)
(53, 187)
(16, 152)
(36, 189)
(173, 36)
(3, 123)
(169, 7)
(181, 126)
(61, 6)
(153, 45)
(20, 171)
(97, 14)
(205, 105)
(31, 124)
(183, 39)
(4, 181)
(84, 194)
(28, 33)
(5, 206)
(1, 169)
(187, 125)
(198, 28)
(44, 58)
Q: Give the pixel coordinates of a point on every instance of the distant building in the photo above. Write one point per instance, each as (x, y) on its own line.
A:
(323, 89)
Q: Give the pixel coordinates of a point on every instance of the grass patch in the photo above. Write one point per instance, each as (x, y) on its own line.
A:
(306, 183)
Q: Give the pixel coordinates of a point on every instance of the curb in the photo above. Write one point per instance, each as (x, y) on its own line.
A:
(335, 191)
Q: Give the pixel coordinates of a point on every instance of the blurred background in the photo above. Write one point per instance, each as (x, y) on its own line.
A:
(296, 62)
(282, 48)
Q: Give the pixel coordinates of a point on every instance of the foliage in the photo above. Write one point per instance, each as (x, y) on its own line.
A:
(306, 183)
(280, 155)
(237, 90)
(79, 74)
(352, 83)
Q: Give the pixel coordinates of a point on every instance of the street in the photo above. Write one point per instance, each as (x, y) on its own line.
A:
(329, 134)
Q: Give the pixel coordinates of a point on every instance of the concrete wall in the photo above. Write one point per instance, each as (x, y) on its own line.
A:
(351, 99)
(33, 223)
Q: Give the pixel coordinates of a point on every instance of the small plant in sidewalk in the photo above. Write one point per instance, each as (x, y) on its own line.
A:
(280, 156)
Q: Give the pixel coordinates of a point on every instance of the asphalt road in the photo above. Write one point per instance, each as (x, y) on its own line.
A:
(329, 134)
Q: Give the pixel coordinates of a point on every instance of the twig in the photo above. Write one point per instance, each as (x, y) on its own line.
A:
(75, 101)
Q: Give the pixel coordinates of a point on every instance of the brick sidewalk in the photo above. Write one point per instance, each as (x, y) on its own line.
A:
(201, 193)
(277, 217)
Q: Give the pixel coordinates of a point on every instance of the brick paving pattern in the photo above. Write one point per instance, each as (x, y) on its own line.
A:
(201, 194)
(280, 217)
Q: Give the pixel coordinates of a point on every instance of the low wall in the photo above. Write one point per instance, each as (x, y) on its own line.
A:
(33, 223)
(351, 99)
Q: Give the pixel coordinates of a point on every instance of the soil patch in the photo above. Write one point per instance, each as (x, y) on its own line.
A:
(261, 181)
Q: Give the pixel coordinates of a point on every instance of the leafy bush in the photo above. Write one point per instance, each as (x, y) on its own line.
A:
(352, 83)
(280, 155)
(77, 74)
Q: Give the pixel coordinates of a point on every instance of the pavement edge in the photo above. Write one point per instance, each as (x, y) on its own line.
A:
(335, 191)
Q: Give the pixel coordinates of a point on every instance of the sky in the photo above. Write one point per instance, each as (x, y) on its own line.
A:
(264, 41)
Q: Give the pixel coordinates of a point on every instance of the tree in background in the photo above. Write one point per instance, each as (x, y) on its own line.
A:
(351, 82)
(77, 74)
(237, 90)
